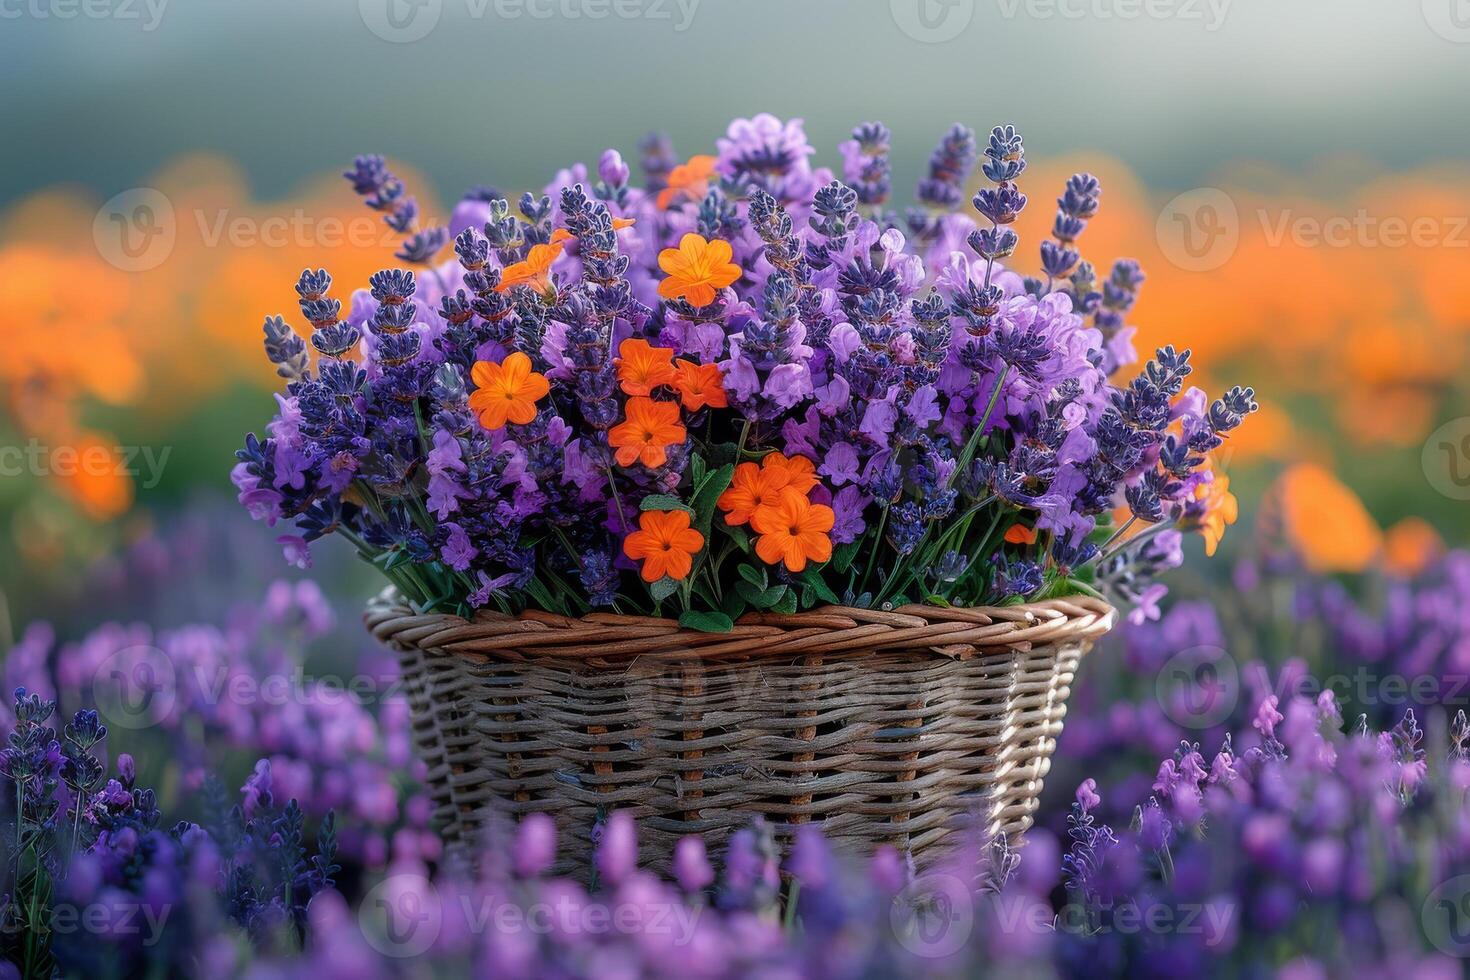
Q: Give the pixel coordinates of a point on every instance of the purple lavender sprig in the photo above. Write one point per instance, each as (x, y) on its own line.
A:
(943, 188)
(382, 191)
(865, 165)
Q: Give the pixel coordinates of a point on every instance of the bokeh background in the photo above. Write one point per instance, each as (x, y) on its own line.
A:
(1294, 178)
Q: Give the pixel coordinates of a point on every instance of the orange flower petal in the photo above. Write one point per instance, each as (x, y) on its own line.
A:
(1020, 534)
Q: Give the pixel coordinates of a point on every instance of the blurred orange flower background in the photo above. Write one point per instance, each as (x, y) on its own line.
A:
(1339, 293)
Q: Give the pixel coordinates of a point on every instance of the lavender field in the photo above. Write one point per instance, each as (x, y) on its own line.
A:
(566, 339)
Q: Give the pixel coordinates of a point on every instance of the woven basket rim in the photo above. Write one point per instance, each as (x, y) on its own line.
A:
(952, 631)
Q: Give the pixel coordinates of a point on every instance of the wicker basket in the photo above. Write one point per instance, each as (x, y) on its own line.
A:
(884, 726)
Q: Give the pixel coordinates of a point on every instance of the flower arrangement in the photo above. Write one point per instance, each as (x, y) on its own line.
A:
(746, 385)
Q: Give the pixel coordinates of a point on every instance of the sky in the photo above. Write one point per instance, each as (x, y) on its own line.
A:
(102, 92)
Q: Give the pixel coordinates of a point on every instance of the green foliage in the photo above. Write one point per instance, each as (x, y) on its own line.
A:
(706, 622)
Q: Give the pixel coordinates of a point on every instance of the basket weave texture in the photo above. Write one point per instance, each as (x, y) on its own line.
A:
(883, 726)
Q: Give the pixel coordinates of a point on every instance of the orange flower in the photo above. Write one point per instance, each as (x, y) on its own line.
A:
(1409, 547)
(1221, 509)
(642, 368)
(699, 385)
(793, 531)
(1324, 521)
(652, 427)
(507, 391)
(535, 271)
(697, 269)
(801, 472)
(752, 488)
(562, 235)
(690, 178)
(1020, 534)
(665, 543)
(97, 480)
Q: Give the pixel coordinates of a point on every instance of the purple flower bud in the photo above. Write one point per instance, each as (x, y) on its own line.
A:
(257, 790)
(691, 865)
(886, 870)
(810, 861)
(127, 770)
(535, 845)
(1267, 717)
(611, 168)
(617, 852)
(1087, 795)
(1154, 829)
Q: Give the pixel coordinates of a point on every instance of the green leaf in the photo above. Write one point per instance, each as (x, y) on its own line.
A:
(663, 588)
(703, 591)
(937, 600)
(750, 593)
(738, 535)
(755, 576)
(813, 578)
(720, 453)
(761, 598)
(537, 590)
(706, 622)
(787, 603)
(564, 588)
(734, 605)
(707, 494)
(1077, 585)
(697, 469)
(664, 502)
(843, 556)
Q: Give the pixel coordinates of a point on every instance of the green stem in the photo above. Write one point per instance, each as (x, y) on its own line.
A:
(712, 568)
(1142, 537)
(791, 897)
(617, 499)
(76, 827)
(973, 443)
(932, 553)
(877, 543)
(1120, 532)
(571, 552)
(985, 547)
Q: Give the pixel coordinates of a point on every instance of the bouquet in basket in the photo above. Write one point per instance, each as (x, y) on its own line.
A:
(745, 385)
